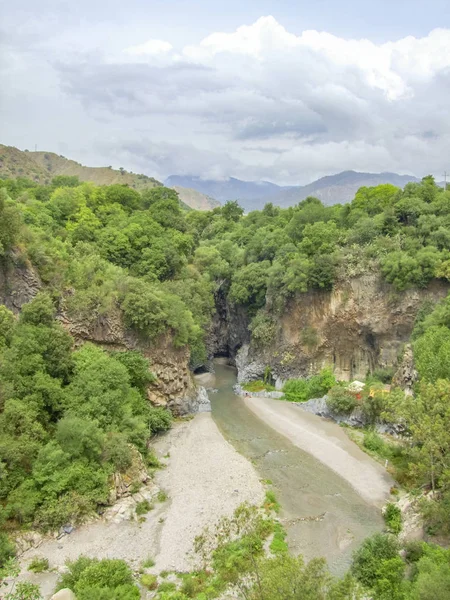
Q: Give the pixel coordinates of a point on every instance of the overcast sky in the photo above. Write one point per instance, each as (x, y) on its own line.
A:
(285, 91)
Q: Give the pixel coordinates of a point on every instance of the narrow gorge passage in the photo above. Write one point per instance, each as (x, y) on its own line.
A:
(323, 513)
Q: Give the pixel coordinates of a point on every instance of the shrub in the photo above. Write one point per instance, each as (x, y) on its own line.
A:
(38, 565)
(373, 442)
(93, 579)
(341, 401)
(149, 581)
(118, 452)
(143, 507)
(162, 496)
(300, 390)
(369, 557)
(271, 502)
(393, 518)
(296, 390)
(7, 550)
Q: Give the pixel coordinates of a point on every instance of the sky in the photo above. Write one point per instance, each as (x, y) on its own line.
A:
(284, 91)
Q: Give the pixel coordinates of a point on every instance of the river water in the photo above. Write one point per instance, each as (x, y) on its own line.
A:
(323, 514)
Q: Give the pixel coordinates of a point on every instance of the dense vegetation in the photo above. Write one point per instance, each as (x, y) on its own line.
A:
(70, 417)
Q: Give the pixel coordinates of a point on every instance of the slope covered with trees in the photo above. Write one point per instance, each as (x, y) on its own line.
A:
(70, 416)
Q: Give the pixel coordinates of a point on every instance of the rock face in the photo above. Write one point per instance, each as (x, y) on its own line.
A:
(19, 283)
(229, 328)
(406, 374)
(173, 387)
(360, 325)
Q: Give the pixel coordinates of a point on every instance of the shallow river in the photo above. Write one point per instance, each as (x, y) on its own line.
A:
(304, 486)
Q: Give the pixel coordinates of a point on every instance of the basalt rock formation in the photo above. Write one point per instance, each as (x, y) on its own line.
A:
(361, 325)
(174, 386)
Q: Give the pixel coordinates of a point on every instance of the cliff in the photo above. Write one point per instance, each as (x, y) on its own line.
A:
(361, 325)
(174, 387)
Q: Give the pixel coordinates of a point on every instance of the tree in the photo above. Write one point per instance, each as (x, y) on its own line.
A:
(231, 211)
(371, 556)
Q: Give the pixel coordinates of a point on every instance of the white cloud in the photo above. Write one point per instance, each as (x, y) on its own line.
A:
(149, 48)
(261, 102)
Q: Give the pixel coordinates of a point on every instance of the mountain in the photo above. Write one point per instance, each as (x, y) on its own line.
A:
(41, 167)
(337, 189)
(252, 195)
(227, 189)
(195, 199)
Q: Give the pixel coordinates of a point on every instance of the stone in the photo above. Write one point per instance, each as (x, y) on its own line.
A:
(64, 594)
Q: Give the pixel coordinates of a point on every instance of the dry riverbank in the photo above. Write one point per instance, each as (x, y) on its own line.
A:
(205, 478)
(327, 442)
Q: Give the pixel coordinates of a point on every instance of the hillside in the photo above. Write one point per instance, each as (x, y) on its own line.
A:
(41, 167)
(195, 199)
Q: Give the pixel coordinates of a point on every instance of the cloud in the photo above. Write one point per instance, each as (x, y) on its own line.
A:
(264, 103)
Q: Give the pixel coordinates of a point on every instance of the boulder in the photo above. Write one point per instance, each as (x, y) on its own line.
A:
(64, 594)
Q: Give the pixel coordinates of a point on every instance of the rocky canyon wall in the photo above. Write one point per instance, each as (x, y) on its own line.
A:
(361, 325)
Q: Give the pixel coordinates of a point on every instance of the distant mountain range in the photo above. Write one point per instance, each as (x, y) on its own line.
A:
(197, 193)
(252, 195)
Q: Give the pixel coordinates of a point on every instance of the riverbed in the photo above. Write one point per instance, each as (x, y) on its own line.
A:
(323, 513)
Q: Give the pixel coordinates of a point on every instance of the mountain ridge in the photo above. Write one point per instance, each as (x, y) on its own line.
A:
(42, 166)
(252, 195)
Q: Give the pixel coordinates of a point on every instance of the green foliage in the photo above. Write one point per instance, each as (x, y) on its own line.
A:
(7, 550)
(38, 565)
(149, 581)
(93, 579)
(258, 386)
(340, 400)
(393, 517)
(143, 507)
(371, 556)
(301, 390)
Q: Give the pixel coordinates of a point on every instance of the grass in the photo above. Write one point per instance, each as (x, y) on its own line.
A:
(271, 502)
(149, 581)
(38, 565)
(258, 386)
(144, 507)
(382, 450)
(148, 563)
(162, 496)
(278, 544)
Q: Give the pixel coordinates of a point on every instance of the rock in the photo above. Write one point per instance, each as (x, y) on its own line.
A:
(406, 374)
(64, 594)
(201, 402)
(360, 325)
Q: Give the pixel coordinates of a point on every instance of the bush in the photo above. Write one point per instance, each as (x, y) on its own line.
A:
(301, 390)
(341, 401)
(373, 442)
(149, 581)
(368, 559)
(393, 518)
(143, 507)
(7, 550)
(38, 565)
(93, 579)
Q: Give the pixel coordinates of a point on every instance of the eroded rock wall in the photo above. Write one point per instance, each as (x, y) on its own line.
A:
(229, 328)
(361, 325)
(174, 386)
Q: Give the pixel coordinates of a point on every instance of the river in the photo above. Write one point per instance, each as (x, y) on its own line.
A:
(323, 514)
